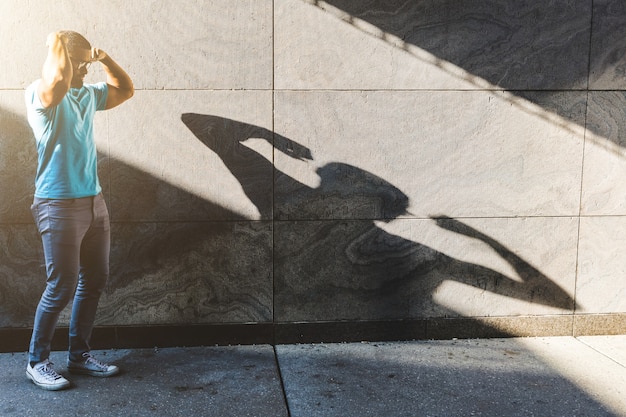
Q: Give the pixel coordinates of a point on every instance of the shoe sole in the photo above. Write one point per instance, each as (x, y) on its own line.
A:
(48, 387)
(80, 371)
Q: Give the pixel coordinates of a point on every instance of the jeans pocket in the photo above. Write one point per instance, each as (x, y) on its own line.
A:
(36, 211)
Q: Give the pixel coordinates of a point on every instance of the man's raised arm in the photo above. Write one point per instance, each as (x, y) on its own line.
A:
(57, 72)
(120, 85)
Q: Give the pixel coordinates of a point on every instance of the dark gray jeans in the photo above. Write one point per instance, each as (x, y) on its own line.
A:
(76, 242)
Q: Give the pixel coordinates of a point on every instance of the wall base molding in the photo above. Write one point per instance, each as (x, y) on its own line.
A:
(134, 337)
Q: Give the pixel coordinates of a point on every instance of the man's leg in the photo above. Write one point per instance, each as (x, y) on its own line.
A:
(61, 227)
(94, 271)
(61, 234)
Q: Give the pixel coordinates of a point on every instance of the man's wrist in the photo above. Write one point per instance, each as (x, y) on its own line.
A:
(106, 60)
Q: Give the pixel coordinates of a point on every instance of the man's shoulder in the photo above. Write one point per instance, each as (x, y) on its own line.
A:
(98, 92)
(31, 96)
(32, 87)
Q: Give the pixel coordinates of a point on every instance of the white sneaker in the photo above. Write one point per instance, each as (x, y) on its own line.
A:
(92, 366)
(44, 376)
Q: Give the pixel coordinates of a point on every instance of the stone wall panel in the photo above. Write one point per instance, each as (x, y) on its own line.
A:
(454, 153)
(194, 273)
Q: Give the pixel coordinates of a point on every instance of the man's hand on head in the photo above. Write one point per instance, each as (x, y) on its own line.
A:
(97, 54)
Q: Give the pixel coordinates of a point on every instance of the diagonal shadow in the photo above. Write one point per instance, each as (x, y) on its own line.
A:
(340, 268)
(521, 46)
(518, 45)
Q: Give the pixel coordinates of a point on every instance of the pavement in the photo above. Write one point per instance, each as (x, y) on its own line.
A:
(553, 376)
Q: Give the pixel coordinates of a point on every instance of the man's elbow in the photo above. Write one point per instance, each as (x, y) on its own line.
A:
(129, 92)
(123, 95)
(118, 95)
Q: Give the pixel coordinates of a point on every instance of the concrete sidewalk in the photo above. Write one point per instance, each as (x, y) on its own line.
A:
(559, 376)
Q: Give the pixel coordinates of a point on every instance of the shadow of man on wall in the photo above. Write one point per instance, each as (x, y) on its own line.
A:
(20, 245)
(333, 262)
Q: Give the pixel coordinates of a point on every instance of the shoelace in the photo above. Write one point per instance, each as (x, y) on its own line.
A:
(94, 361)
(48, 372)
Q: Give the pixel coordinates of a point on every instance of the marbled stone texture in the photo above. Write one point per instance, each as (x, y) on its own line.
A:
(22, 274)
(432, 44)
(189, 273)
(160, 273)
(18, 159)
(608, 45)
(365, 270)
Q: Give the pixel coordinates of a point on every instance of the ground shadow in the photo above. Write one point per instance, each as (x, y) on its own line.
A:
(332, 262)
(430, 378)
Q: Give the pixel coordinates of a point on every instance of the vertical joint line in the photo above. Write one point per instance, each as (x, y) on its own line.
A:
(272, 224)
(582, 168)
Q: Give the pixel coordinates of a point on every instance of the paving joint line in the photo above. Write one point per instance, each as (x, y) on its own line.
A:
(282, 381)
(600, 352)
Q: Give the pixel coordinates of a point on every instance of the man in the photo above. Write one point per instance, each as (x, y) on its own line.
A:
(68, 207)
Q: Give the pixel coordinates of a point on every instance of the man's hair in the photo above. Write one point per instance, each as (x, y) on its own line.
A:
(75, 40)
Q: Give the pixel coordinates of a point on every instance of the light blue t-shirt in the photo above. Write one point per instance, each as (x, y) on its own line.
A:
(67, 157)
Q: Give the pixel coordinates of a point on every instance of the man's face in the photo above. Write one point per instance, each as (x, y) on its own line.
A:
(81, 59)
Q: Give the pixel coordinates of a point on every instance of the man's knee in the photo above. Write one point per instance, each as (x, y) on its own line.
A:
(56, 297)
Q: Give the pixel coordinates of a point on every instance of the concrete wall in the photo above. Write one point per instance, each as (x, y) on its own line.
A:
(301, 161)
